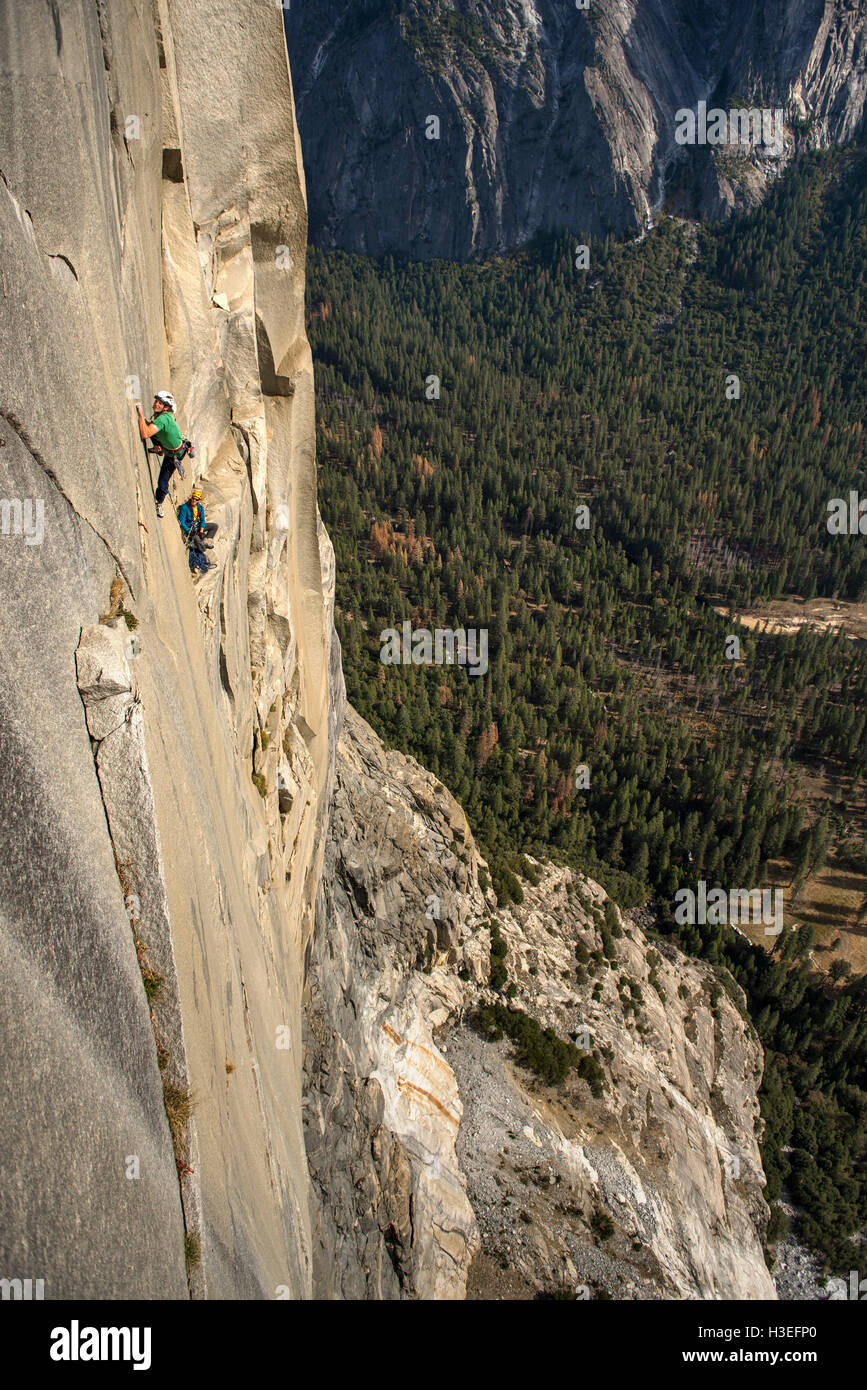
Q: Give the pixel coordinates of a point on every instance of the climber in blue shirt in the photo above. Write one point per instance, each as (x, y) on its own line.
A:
(197, 531)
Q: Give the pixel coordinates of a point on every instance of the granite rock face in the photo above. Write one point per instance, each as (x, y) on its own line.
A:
(649, 1186)
(222, 1020)
(442, 1169)
(460, 127)
(152, 234)
(382, 1110)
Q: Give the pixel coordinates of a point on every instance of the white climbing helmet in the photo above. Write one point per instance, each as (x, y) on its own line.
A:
(166, 397)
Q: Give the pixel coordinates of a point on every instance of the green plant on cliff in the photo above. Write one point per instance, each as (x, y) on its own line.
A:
(260, 782)
(538, 1049)
(499, 950)
(179, 1109)
(192, 1251)
(437, 33)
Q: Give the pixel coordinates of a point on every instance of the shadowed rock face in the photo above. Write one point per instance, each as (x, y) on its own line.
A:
(549, 116)
(152, 234)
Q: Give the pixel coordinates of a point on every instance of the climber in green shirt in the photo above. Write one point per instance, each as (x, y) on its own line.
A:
(163, 430)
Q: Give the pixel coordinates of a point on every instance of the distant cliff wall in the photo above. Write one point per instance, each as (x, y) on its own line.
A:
(551, 116)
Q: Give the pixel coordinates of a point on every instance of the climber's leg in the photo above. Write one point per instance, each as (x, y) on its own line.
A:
(165, 478)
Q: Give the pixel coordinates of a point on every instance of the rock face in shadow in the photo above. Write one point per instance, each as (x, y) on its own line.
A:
(550, 115)
(152, 234)
(440, 1167)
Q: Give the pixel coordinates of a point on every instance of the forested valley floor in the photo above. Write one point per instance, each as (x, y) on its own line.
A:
(603, 467)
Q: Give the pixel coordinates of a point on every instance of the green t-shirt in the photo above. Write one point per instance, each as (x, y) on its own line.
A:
(168, 434)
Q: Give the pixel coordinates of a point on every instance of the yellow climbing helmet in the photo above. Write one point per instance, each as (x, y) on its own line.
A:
(197, 494)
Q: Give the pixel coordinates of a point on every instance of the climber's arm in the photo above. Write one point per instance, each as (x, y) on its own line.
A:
(145, 430)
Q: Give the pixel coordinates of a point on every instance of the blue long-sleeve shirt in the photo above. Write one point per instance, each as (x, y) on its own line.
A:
(191, 514)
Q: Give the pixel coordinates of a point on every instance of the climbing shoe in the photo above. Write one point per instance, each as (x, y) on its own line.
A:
(160, 511)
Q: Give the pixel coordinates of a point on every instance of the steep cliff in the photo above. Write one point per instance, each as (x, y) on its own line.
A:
(212, 873)
(440, 1167)
(547, 115)
(399, 903)
(165, 786)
